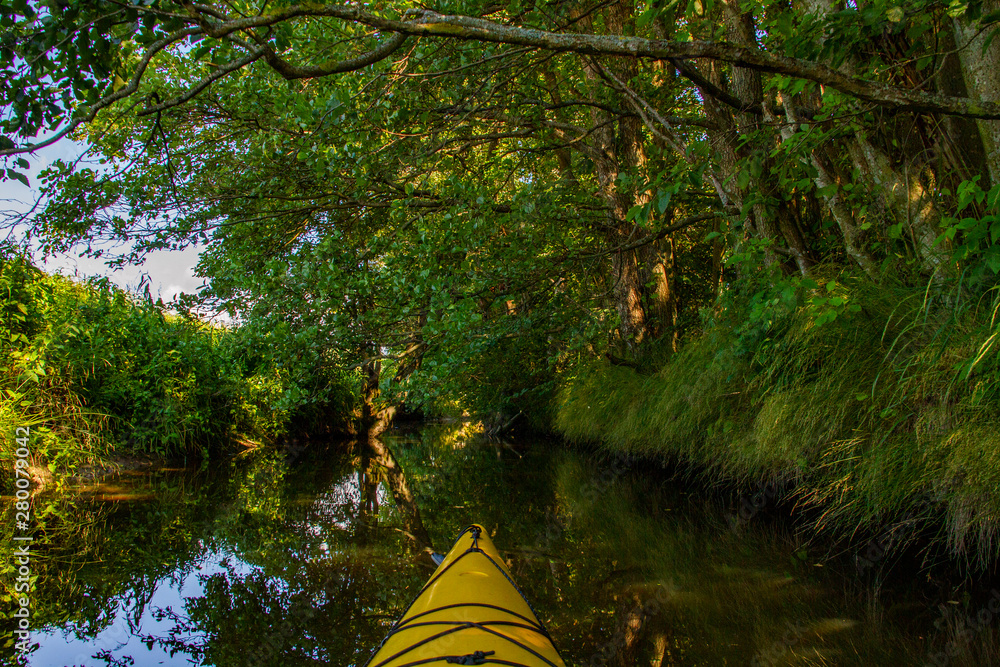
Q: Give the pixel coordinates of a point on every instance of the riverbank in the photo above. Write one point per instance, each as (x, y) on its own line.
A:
(93, 375)
(873, 410)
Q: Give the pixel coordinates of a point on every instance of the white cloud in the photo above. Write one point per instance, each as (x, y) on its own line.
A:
(169, 272)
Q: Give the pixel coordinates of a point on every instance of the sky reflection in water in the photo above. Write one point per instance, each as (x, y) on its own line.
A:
(279, 562)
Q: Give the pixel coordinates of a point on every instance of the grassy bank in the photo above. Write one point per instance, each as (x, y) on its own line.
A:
(877, 404)
(95, 372)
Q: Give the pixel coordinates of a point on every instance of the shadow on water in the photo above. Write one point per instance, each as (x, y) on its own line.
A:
(307, 560)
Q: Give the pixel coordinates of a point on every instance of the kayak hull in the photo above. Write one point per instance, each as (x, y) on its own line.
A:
(469, 612)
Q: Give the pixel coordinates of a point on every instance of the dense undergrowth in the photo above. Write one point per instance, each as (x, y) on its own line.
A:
(96, 372)
(878, 404)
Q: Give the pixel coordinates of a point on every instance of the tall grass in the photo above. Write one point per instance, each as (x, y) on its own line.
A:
(886, 413)
(97, 372)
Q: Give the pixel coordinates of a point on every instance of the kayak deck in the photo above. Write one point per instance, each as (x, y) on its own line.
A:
(470, 613)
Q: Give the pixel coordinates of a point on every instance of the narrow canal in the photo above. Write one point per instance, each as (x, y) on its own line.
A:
(306, 558)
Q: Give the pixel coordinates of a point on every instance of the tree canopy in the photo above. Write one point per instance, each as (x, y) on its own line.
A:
(479, 190)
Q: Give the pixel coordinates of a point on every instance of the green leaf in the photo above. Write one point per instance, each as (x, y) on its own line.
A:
(647, 16)
(995, 231)
(827, 191)
(991, 17)
(957, 8)
(664, 202)
(989, 40)
(993, 259)
(18, 177)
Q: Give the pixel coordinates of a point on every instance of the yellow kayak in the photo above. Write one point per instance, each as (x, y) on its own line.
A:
(470, 613)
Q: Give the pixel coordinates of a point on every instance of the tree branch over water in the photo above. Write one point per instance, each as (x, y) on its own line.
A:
(192, 21)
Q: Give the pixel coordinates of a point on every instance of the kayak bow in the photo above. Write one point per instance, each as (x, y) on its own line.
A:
(470, 613)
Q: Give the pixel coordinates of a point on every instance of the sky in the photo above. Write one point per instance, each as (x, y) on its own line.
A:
(170, 273)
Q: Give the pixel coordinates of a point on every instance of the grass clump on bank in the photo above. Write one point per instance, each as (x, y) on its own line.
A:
(878, 404)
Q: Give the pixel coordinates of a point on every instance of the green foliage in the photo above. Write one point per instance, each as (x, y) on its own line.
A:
(291, 380)
(973, 227)
(885, 411)
(484, 219)
(34, 391)
(95, 371)
(160, 378)
(506, 381)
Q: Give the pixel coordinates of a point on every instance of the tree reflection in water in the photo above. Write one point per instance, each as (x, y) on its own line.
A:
(279, 562)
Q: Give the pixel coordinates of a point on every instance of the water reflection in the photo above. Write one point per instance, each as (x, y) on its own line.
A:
(295, 562)
(380, 463)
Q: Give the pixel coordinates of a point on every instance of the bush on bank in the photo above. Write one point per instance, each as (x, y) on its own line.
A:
(96, 372)
(878, 404)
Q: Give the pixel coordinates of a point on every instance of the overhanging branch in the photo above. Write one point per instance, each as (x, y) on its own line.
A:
(428, 23)
(216, 24)
(291, 72)
(463, 27)
(653, 238)
(88, 113)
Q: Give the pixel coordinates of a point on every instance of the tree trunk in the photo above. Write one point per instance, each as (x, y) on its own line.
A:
(413, 525)
(906, 198)
(666, 306)
(747, 87)
(724, 141)
(375, 420)
(372, 370)
(825, 181)
(718, 250)
(958, 144)
(981, 71)
(903, 195)
(619, 149)
(564, 156)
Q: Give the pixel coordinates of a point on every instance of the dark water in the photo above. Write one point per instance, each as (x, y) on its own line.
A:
(307, 559)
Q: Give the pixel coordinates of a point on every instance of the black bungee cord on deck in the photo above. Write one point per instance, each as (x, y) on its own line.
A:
(476, 657)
